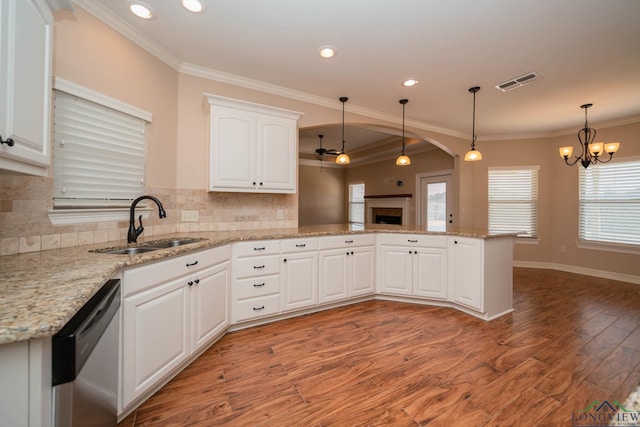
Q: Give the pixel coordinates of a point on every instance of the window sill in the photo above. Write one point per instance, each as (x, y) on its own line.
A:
(608, 247)
(93, 215)
(527, 241)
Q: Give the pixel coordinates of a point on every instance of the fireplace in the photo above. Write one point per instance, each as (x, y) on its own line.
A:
(387, 209)
(386, 215)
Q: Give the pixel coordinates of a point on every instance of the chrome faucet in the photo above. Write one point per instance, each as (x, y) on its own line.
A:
(132, 235)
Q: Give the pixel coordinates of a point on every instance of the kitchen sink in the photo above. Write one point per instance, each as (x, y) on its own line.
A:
(127, 251)
(148, 246)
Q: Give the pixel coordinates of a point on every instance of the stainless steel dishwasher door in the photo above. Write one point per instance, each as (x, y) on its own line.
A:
(85, 363)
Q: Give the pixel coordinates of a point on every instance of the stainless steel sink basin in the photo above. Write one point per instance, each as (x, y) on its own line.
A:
(127, 251)
(149, 246)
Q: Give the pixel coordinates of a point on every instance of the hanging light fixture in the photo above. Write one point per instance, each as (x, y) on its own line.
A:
(473, 154)
(591, 151)
(403, 159)
(343, 158)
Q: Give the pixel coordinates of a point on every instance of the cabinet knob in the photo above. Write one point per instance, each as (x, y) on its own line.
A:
(284, 260)
(196, 281)
(351, 252)
(260, 183)
(190, 283)
(455, 241)
(254, 183)
(7, 141)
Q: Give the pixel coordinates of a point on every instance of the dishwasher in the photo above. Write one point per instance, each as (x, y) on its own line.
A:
(85, 363)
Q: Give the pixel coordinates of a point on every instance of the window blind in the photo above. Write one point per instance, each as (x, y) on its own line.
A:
(356, 203)
(610, 202)
(98, 153)
(513, 201)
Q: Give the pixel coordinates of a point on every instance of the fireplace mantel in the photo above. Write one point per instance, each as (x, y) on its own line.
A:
(389, 196)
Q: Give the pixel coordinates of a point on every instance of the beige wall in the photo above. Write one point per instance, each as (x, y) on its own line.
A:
(321, 195)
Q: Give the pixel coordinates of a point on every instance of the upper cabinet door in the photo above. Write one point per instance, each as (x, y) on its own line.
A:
(254, 148)
(25, 85)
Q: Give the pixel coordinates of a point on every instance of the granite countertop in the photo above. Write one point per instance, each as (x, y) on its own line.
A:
(41, 291)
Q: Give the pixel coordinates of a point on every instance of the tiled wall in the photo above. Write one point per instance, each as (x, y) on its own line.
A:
(26, 200)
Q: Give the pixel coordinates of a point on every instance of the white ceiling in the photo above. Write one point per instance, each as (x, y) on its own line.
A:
(585, 51)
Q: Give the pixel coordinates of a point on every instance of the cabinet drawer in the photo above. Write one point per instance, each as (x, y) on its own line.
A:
(426, 240)
(347, 240)
(299, 245)
(257, 307)
(150, 275)
(256, 247)
(257, 266)
(256, 287)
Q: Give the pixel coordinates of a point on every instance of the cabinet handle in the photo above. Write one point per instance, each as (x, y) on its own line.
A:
(260, 249)
(258, 308)
(258, 285)
(258, 267)
(191, 264)
(301, 246)
(190, 283)
(196, 281)
(412, 241)
(348, 241)
(7, 141)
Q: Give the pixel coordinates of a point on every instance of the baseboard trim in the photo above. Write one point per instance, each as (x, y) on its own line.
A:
(579, 270)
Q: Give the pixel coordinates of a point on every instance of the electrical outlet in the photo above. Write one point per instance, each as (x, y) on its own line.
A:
(279, 214)
(563, 249)
(190, 216)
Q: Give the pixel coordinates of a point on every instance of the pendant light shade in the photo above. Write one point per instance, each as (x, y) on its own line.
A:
(343, 158)
(473, 154)
(403, 159)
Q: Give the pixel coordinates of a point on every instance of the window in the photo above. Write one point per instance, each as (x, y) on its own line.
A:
(356, 204)
(609, 207)
(513, 200)
(99, 150)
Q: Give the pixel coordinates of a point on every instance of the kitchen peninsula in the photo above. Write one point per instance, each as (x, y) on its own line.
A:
(296, 271)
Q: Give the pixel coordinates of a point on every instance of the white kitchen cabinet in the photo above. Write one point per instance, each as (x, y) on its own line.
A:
(481, 274)
(210, 304)
(413, 265)
(299, 273)
(25, 85)
(253, 147)
(25, 388)
(155, 336)
(346, 267)
(171, 310)
(255, 291)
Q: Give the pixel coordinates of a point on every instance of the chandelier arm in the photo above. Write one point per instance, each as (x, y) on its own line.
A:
(575, 160)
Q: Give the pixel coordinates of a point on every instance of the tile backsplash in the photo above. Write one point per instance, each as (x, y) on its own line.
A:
(26, 200)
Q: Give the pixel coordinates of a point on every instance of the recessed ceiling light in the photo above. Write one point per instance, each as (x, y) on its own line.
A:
(327, 52)
(194, 6)
(410, 82)
(141, 10)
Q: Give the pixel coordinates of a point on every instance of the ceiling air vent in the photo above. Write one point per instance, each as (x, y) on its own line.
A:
(517, 82)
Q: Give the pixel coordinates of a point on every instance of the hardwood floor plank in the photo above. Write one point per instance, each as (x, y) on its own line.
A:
(571, 340)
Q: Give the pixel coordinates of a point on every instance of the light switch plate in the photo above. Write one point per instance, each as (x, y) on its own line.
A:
(190, 215)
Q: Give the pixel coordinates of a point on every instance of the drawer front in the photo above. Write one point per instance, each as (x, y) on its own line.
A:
(256, 247)
(347, 240)
(299, 245)
(424, 240)
(145, 277)
(257, 307)
(257, 266)
(256, 287)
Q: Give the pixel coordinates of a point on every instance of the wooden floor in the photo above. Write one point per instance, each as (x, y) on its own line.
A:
(572, 339)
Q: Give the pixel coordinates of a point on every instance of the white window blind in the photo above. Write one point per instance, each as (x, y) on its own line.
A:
(98, 153)
(356, 203)
(513, 200)
(610, 202)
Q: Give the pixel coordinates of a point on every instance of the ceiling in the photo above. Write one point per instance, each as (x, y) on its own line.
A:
(584, 51)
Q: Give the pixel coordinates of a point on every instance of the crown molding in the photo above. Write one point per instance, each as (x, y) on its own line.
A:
(121, 26)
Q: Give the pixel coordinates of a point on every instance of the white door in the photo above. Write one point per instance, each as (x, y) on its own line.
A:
(361, 272)
(435, 203)
(209, 303)
(300, 279)
(333, 275)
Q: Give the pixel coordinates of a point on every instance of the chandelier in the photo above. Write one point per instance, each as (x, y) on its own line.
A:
(591, 151)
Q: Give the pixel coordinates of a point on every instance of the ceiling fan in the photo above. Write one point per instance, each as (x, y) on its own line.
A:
(321, 152)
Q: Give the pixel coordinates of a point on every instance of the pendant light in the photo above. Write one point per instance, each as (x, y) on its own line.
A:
(473, 154)
(403, 159)
(343, 158)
